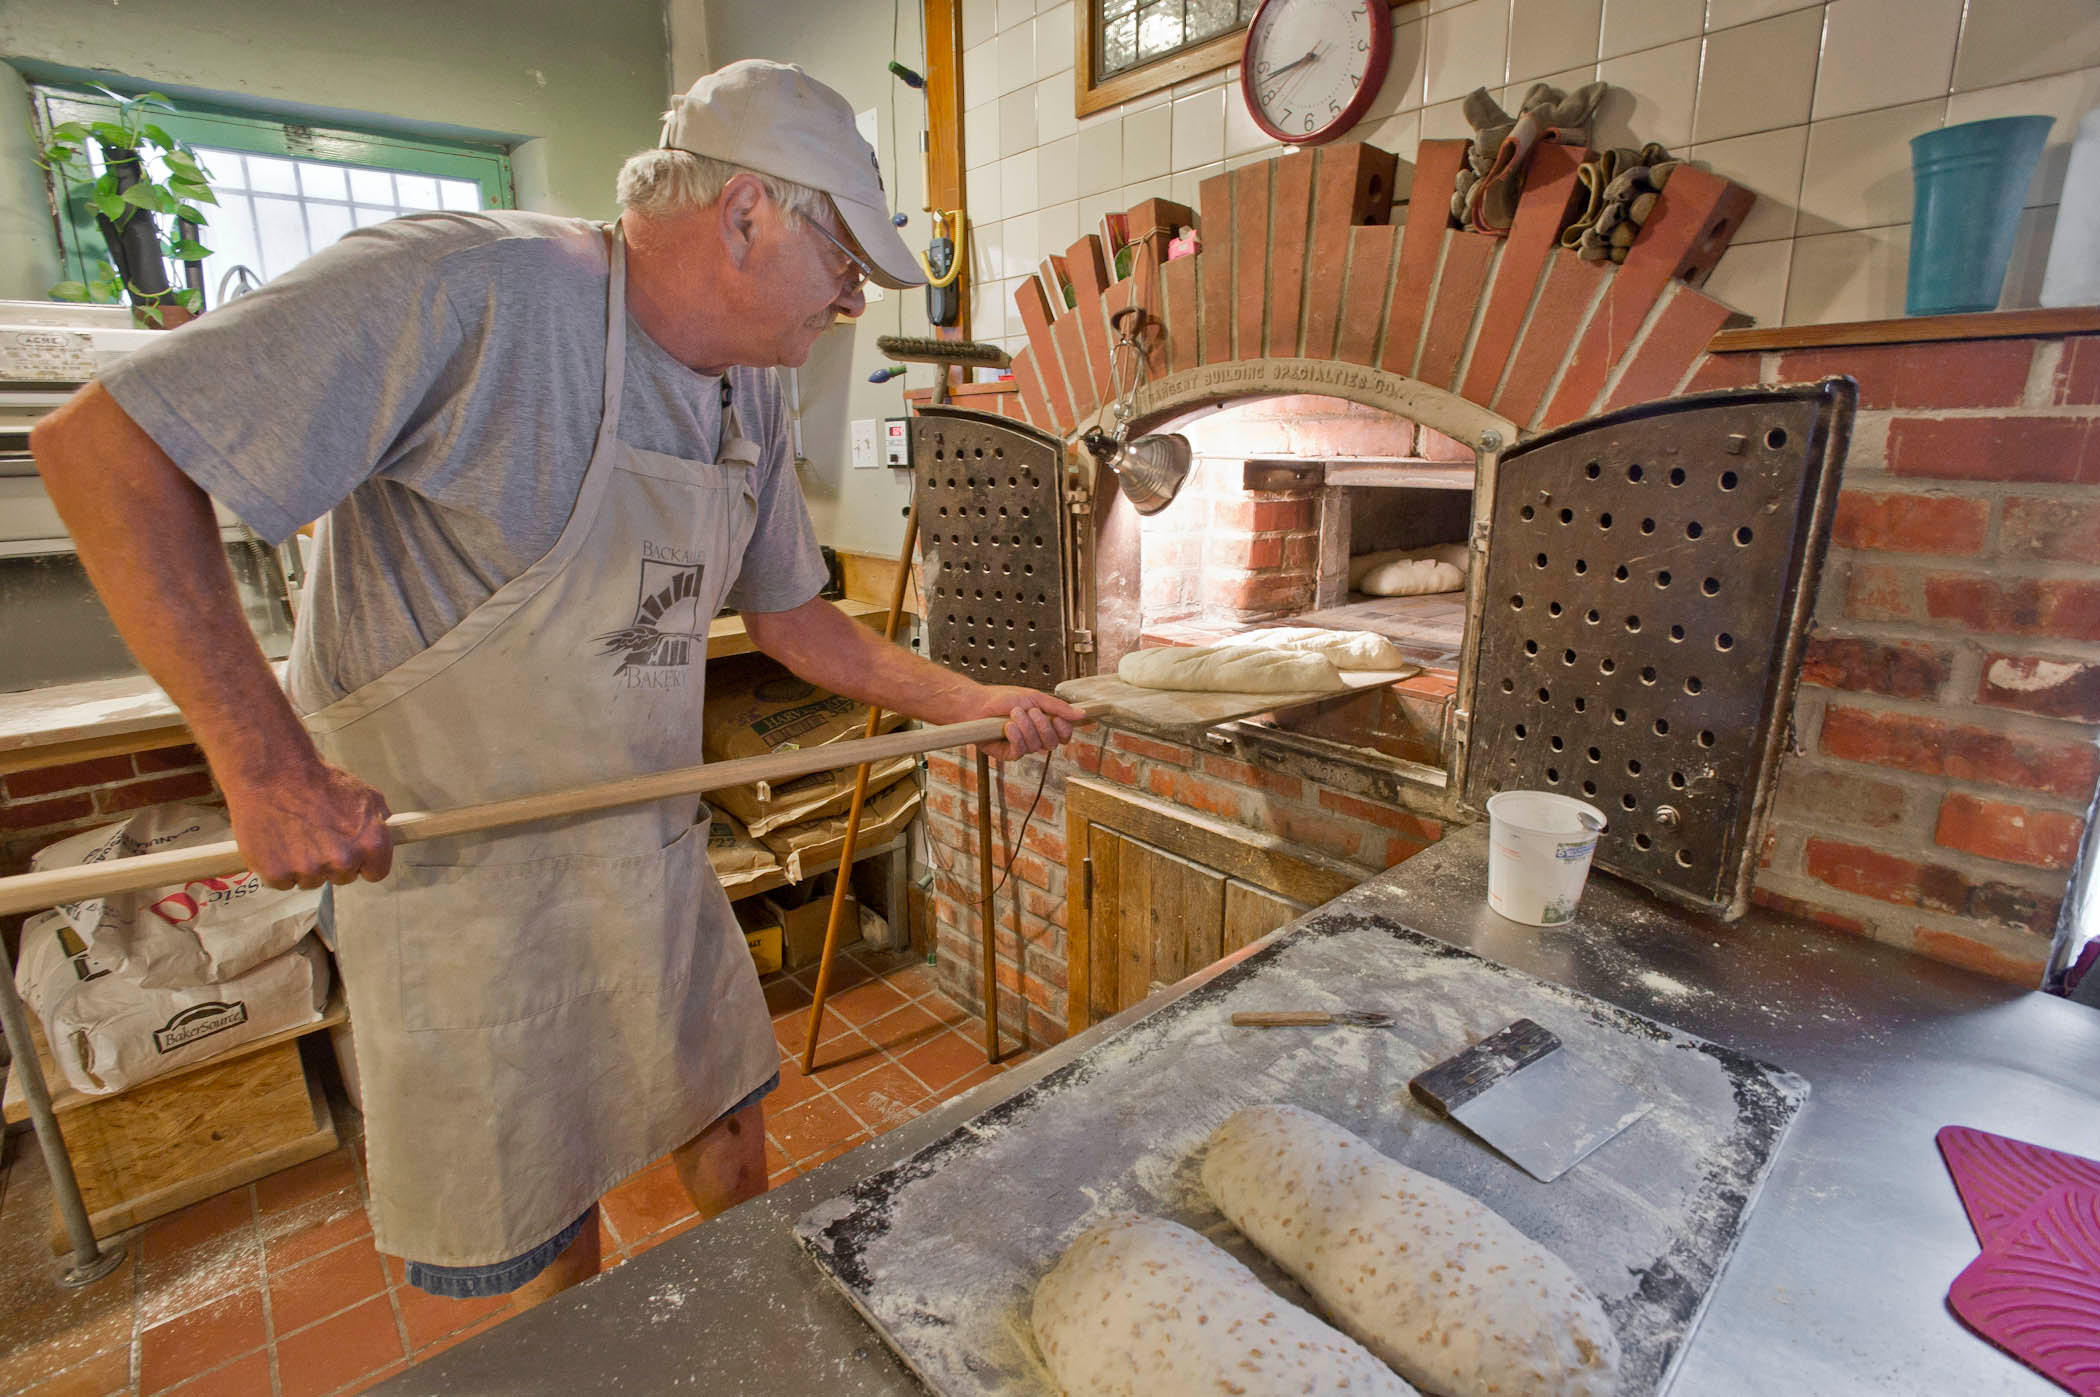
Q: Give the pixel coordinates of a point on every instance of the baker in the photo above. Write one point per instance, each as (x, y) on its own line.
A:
(544, 453)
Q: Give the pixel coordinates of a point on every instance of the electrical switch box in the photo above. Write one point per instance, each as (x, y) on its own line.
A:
(896, 442)
(864, 453)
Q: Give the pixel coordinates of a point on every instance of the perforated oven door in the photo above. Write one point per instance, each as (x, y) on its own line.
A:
(1649, 584)
(992, 547)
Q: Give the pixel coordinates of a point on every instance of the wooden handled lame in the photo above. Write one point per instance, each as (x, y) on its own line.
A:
(32, 892)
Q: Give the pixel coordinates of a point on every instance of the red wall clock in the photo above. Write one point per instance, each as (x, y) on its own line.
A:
(1312, 67)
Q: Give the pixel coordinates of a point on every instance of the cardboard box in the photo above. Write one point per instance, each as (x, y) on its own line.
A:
(803, 928)
(762, 932)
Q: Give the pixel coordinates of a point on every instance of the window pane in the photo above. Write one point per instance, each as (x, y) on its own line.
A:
(319, 181)
(416, 191)
(1110, 9)
(459, 193)
(225, 168)
(231, 238)
(1119, 44)
(1210, 18)
(1159, 29)
(269, 175)
(326, 222)
(283, 230)
(371, 186)
(367, 216)
(1247, 9)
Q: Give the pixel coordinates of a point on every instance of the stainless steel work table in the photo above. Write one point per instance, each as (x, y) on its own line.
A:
(1838, 1283)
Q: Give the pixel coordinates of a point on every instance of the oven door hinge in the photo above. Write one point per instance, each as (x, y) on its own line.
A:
(1082, 642)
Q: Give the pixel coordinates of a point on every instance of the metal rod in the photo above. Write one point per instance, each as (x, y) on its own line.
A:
(90, 1262)
(898, 587)
(989, 923)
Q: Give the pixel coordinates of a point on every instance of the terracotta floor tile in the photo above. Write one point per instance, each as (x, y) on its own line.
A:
(949, 1010)
(943, 1061)
(884, 1098)
(200, 1340)
(245, 1377)
(794, 1089)
(814, 1125)
(984, 1072)
(785, 995)
(458, 1337)
(372, 1380)
(302, 1183)
(912, 981)
(316, 1289)
(339, 1350)
(63, 1329)
(429, 1318)
(676, 1229)
(107, 1372)
(865, 1003)
(198, 1277)
(648, 1202)
(292, 1246)
(845, 1057)
(200, 1222)
(904, 1029)
(611, 1245)
(777, 1158)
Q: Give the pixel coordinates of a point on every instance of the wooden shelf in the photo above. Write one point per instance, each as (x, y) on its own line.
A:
(777, 878)
(1986, 325)
(15, 1106)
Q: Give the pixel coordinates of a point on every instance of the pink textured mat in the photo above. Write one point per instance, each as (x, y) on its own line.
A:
(1999, 1178)
(2035, 1291)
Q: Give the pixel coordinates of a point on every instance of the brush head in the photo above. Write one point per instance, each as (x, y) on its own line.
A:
(909, 350)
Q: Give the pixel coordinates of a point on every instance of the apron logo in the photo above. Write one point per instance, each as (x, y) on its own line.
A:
(667, 624)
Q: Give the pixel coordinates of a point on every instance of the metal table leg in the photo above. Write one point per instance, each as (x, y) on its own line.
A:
(90, 1262)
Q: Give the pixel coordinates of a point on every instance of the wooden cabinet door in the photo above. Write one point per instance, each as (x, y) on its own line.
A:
(1159, 893)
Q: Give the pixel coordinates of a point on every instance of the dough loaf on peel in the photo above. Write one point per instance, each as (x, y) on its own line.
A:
(1143, 1307)
(1457, 1300)
(1229, 669)
(1343, 649)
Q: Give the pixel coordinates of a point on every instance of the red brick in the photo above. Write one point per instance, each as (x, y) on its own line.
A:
(1673, 344)
(1390, 436)
(1251, 777)
(2078, 374)
(1809, 912)
(1893, 522)
(1533, 237)
(50, 780)
(2057, 530)
(1069, 336)
(1198, 792)
(1214, 267)
(1083, 261)
(1046, 837)
(1252, 515)
(1159, 780)
(1035, 407)
(1950, 949)
(1301, 552)
(1390, 817)
(1149, 749)
(1564, 307)
(1865, 872)
(1840, 797)
(2032, 684)
(1878, 592)
(161, 759)
(2059, 450)
(1938, 748)
(1399, 849)
(1995, 829)
(41, 814)
(1900, 669)
(1718, 371)
(1946, 374)
(1458, 292)
(1421, 247)
(1366, 291)
(1891, 878)
(1184, 314)
(1347, 171)
(1328, 835)
(1250, 255)
(2065, 609)
(1290, 218)
(1118, 769)
(1264, 551)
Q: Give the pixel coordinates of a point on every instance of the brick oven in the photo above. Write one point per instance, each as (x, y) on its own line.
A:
(1341, 379)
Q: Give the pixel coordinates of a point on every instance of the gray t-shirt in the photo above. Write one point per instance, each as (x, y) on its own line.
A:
(436, 382)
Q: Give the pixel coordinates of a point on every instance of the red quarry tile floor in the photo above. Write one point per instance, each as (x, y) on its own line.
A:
(275, 1288)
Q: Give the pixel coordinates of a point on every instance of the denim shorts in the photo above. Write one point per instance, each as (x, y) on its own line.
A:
(502, 1277)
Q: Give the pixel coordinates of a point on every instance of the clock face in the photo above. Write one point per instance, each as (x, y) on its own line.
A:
(1311, 67)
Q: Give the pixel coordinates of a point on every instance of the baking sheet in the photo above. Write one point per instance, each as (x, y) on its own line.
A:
(942, 1251)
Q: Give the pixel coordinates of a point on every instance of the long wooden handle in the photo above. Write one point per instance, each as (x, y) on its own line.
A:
(1281, 1018)
(32, 892)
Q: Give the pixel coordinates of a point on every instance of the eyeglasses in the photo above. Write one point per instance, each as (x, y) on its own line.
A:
(861, 270)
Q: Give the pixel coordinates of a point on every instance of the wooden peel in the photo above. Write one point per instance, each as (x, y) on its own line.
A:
(33, 892)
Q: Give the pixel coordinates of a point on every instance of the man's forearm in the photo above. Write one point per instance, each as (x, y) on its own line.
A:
(150, 544)
(823, 645)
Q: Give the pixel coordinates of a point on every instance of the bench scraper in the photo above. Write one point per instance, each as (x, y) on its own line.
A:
(1531, 1099)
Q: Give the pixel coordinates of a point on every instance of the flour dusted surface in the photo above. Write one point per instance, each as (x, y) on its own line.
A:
(1457, 1300)
(1143, 1307)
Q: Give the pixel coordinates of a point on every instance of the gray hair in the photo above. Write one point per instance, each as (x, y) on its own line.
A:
(659, 183)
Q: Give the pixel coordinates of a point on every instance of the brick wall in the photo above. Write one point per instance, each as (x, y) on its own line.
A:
(1944, 760)
(1031, 965)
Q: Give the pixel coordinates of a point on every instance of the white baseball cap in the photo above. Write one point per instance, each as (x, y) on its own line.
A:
(780, 121)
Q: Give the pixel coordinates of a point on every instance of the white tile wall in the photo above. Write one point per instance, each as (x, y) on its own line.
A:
(1808, 102)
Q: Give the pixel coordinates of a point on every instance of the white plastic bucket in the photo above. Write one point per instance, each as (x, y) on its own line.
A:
(1539, 849)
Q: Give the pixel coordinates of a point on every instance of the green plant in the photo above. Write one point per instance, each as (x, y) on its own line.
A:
(129, 197)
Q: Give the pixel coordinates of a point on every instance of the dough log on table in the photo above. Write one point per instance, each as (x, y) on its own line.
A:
(1229, 669)
(1429, 1279)
(1143, 1307)
(1343, 649)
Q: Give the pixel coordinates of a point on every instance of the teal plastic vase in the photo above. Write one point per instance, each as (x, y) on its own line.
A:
(1970, 182)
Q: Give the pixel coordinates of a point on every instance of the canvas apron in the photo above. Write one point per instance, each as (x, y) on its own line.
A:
(542, 1011)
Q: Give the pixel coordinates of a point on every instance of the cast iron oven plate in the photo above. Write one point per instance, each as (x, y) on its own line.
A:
(992, 578)
(1649, 583)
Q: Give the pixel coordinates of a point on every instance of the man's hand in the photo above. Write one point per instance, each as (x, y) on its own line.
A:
(1037, 721)
(321, 826)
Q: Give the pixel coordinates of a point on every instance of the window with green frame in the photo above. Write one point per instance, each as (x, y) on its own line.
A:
(286, 189)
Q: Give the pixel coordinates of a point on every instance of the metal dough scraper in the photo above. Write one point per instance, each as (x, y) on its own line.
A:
(1531, 1099)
